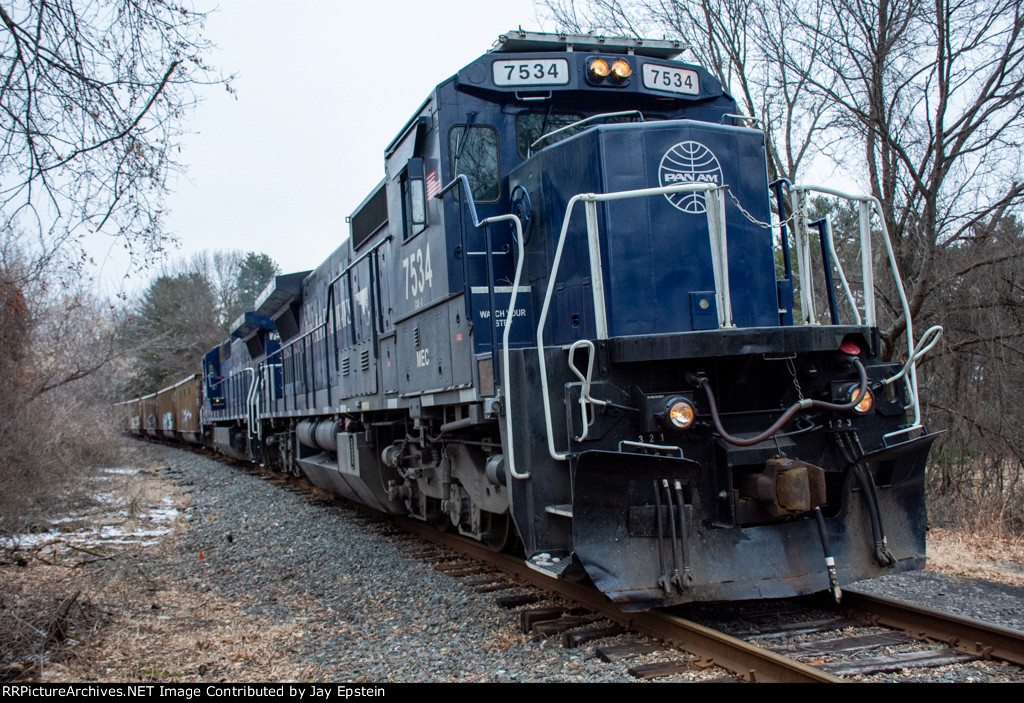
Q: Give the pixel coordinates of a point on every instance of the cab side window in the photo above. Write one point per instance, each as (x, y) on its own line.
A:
(414, 199)
(473, 151)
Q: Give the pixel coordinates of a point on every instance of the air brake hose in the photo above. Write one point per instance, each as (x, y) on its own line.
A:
(687, 577)
(867, 484)
(786, 416)
(676, 577)
(830, 562)
(876, 527)
(663, 580)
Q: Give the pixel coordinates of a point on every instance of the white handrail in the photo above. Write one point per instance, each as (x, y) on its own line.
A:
(803, 257)
(585, 397)
(719, 257)
(585, 120)
(866, 262)
(509, 317)
(910, 368)
(250, 411)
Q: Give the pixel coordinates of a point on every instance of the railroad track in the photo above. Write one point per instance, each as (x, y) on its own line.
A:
(843, 645)
(812, 642)
(967, 635)
(708, 645)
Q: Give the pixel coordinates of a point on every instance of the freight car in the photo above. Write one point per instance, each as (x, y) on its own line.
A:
(170, 413)
(562, 322)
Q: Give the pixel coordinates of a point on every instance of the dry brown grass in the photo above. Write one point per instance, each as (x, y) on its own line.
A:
(169, 636)
(987, 555)
(128, 624)
(136, 629)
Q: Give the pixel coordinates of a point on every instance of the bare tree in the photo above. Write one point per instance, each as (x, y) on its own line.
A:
(973, 386)
(930, 94)
(93, 95)
(186, 311)
(53, 423)
(226, 265)
(742, 44)
(921, 101)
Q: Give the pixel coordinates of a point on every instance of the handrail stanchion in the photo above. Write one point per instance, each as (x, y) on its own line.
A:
(803, 256)
(506, 336)
(716, 229)
(822, 226)
(596, 271)
(867, 262)
(715, 206)
(780, 202)
(867, 202)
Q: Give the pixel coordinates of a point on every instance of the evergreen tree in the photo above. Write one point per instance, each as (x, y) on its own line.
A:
(186, 312)
(254, 274)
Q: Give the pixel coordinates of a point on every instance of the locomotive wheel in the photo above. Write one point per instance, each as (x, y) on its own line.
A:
(438, 518)
(497, 538)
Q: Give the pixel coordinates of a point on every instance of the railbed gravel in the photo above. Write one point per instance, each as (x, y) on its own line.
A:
(372, 611)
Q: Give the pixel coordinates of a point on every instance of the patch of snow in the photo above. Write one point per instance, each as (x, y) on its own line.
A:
(69, 518)
(29, 539)
(144, 530)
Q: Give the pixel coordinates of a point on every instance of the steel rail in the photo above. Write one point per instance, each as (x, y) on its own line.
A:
(748, 661)
(962, 633)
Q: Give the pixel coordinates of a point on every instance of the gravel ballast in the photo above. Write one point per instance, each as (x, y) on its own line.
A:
(259, 582)
(362, 608)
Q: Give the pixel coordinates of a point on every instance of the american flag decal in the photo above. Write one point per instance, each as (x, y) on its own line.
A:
(433, 185)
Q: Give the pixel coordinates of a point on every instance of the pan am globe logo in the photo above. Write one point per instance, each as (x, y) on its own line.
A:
(689, 162)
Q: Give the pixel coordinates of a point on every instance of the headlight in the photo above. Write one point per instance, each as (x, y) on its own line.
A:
(866, 400)
(680, 413)
(599, 69)
(620, 71)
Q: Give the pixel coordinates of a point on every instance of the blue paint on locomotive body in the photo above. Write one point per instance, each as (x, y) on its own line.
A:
(382, 373)
(510, 116)
(655, 251)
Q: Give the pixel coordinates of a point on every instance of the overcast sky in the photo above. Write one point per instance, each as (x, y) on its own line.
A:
(322, 87)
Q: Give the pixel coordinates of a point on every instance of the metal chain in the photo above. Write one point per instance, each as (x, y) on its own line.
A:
(796, 383)
(759, 223)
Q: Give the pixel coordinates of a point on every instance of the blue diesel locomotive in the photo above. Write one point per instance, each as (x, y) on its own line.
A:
(563, 323)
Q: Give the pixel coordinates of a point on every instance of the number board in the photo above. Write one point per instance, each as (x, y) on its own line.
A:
(530, 72)
(671, 79)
